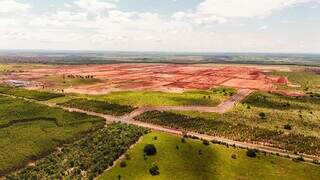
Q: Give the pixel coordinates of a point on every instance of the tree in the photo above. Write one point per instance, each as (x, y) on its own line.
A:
(154, 170)
(252, 153)
(150, 149)
(287, 126)
(123, 164)
(262, 115)
(206, 142)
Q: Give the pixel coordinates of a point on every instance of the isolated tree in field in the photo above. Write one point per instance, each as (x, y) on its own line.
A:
(251, 153)
(287, 126)
(262, 115)
(150, 149)
(154, 170)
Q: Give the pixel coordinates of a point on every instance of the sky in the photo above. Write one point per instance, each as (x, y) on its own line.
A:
(287, 26)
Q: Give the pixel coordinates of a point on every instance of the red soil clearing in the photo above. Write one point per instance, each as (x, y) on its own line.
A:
(154, 77)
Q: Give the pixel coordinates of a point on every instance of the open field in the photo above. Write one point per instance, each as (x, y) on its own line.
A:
(101, 79)
(85, 158)
(298, 143)
(30, 94)
(29, 130)
(177, 160)
(306, 81)
(152, 98)
(98, 106)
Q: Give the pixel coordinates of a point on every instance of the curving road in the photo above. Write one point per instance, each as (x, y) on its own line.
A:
(221, 108)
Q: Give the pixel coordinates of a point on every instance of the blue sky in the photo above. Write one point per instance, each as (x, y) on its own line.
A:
(162, 25)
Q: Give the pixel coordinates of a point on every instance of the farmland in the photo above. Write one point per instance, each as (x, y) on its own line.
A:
(307, 81)
(151, 98)
(236, 131)
(177, 160)
(98, 106)
(30, 94)
(85, 158)
(30, 130)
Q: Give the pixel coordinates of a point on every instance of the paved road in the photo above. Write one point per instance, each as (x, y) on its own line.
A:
(223, 107)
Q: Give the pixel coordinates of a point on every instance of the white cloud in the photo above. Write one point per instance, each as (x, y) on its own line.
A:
(95, 6)
(11, 6)
(262, 28)
(244, 8)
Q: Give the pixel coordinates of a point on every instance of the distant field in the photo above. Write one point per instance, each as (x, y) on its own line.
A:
(29, 130)
(98, 106)
(308, 81)
(57, 81)
(182, 161)
(31, 94)
(150, 98)
(87, 157)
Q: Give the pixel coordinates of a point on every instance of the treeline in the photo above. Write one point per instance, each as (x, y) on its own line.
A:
(297, 143)
(86, 158)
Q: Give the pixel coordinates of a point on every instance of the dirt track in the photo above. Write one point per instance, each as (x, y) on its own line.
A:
(221, 108)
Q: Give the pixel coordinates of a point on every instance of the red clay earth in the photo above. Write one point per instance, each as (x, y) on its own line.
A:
(162, 77)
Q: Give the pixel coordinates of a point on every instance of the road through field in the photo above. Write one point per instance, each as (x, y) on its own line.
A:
(221, 108)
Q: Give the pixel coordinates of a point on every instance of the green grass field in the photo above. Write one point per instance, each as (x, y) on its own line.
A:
(29, 130)
(98, 106)
(30, 94)
(60, 82)
(308, 81)
(302, 114)
(215, 162)
(151, 98)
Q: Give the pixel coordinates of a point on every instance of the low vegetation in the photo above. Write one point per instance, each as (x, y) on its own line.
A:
(214, 162)
(86, 158)
(236, 131)
(29, 130)
(98, 106)
(30, 94)
(308, 81)
(150, 98)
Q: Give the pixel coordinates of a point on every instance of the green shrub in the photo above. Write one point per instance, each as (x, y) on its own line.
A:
(150, 149)
(154, 170)
(123, 164)
(206, 142)
(251, 153)
(287, 126)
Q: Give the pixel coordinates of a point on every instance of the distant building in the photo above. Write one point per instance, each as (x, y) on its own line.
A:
(17, 83)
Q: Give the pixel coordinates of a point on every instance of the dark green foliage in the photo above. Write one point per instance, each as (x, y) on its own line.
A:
(92, 154)
(206, 142)
(30, 94)
(234, 156)
(154, 170)
(183, 140)
(123, 164)
(287, 126)
(150, 149)
(235, 131)
(262, 115)
(251, 153)
(98, 106)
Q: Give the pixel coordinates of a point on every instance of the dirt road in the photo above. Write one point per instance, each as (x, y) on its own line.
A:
(223, 107)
